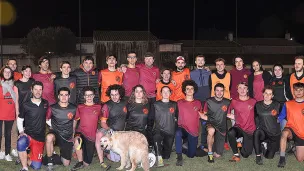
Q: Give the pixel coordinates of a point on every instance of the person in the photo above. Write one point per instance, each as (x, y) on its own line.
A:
(109, 77)
(257, 80)
(178, 76)
(60, 117)
(165, 81)
(188, 121)
(12, 63)
(163, 123)
(244, 123)
(65, 79)
(86, 75)
(9, 109)
(215, 113)
(31, 124)
(297, 76)
(131, 74)
(114, 113)
(268, 128)
(294, 129)
(87, 115)
(47, 78)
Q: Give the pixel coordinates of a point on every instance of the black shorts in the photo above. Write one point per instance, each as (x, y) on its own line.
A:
(65, 146)
(88, 148)
(298, 141)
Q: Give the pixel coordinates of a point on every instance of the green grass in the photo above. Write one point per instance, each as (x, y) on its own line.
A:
(194, 164)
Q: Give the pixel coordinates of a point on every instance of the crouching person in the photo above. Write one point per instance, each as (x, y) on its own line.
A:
(31, 124)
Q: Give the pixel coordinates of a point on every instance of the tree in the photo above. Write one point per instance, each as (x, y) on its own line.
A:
(56, 41)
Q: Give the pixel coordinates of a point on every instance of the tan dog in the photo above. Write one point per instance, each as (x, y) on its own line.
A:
(132, 147)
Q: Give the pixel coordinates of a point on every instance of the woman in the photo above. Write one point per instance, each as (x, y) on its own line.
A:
(165, 81)
(257, 80)
(24, 84)
(268, 129)
(9, 108)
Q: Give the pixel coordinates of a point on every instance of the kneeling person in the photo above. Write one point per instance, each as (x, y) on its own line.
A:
(60, 118)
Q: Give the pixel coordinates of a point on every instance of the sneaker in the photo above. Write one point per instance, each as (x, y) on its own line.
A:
(23, 169)
(50, 167)
(2, 155)
(160, 162)
(282, 162)
(226, 146)
(210, 158)
(14, 153)
(179, 162)
(105, 166)
(8, 158)
(77, 166)
(17, 162)
(235, 158)
(258, 160)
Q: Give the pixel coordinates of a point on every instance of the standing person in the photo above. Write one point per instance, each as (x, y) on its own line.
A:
(12, 63)
(87, 115)
(87, 75)
(9, 109)
(60, 117)
(165, 81)
(47, 78)
(238, 74)
(109, 76)
(297, 76)
(179, 76)
(257, 80)
(294, 129)
(268, 128)
(215, 113)
(114, 113)
(163, 123)
(31, 124)
(188, 121)
(131, 75)
(244, 123)
(66, 80)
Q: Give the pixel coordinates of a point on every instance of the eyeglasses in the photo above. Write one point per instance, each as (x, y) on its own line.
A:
(89, 95)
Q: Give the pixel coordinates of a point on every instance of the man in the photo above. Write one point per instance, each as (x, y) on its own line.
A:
(215, 113)
(66, 80)
(47, 78)
(165, 81)
(87, 75)
(87, 115)
(109, 77)
(244, 123)
(12, 63)
(31, 124)
(188, 121)
(131, 75)
(179, 76)
(164, 118)
(297, 76)
(60, 118)
(294, 129)
(114, 114)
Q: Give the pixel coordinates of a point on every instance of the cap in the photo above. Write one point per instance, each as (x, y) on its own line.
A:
(180, 58)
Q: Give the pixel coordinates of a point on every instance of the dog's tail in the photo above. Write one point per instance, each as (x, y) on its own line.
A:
(145, 161)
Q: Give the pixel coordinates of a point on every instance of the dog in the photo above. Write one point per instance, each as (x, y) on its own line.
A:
(132, 147)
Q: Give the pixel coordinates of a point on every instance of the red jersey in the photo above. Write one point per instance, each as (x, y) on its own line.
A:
(7, 106)
(243, 114)
(48, 86)
(295, 117)
(147, 78)
(130, 80)
(89, 117)
(188, 116)
(179, 78)
(107, 78)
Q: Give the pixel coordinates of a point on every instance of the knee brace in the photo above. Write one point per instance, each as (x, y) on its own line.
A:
(23, 143)
(36, 165)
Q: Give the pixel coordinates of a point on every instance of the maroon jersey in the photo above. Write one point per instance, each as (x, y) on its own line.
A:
(147, 78)
(244, 114)
(188, 117)
(88, 116)
(48, 87)
(130, 80)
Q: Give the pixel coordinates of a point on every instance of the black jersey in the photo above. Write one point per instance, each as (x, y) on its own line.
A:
(137, 117)
(62, 119)
(217, 113)
(278, 86)
(34, 119)
(24, 90)
(66, 82)
(115, 114)
(165, 116)
(267, 117)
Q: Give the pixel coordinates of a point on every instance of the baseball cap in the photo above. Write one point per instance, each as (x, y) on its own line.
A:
(180, 58)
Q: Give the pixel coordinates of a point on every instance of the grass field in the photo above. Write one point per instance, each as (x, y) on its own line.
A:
(195, 164)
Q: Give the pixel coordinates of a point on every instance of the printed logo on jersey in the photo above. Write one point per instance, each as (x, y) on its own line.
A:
(7, 97)
(72, 85)
(224, 108)
(280, 82)
(195, 108)
(146, 111)
(274, 112)
(250, 107)
(171, 110)
(70, 115)
(187, 77)
(245, 76)
(273, 83)
(95, 112)
(124, 109)
(93, 73)
(117, 79)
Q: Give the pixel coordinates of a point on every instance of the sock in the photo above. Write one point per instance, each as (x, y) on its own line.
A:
(210, 153)
(26, 168)
(282, 154)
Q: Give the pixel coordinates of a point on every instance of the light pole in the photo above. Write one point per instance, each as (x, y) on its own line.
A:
(79, 22)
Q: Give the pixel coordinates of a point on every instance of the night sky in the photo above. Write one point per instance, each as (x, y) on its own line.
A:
(169, 19)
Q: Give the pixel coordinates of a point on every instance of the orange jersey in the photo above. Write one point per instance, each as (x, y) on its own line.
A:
(226, 81)
(160, 85)
(295, 117)
(17, 75)
(108, 78)
(179, 78)
(293, 80)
